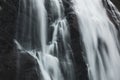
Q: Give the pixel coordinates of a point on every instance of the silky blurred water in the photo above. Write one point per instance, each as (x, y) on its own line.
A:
(52, 54)
(100, 39)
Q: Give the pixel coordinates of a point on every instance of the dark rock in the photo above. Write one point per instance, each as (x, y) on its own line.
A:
(14, 65)
(8, 57)
(28, 68)
(77, 45)
(117, 3)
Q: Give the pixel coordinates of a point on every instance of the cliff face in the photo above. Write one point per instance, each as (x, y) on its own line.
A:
(18, 66)
(117, 3)
(14, 65)
(7, 56)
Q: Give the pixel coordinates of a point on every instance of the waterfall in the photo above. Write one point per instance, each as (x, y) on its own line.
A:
(100, 38)
(43, 32)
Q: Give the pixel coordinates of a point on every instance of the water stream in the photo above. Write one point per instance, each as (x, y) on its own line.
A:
(47, 41)
(100, 38)
(43, 32)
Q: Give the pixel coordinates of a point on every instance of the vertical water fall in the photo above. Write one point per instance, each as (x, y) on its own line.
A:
(100, 38)
(43, 32)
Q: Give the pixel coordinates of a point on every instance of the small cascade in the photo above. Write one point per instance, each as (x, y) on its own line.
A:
(53, 54)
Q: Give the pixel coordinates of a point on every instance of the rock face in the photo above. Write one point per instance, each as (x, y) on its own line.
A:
(79, 64)
(117, 3)
(7, 56)
(15, 65)
(28, 68)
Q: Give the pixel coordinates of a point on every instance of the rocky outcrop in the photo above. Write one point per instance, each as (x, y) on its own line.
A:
(27, 67)
(14, 64)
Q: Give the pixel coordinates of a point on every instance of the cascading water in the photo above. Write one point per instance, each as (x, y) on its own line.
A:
(100, 38)
(32, 36)
(43, 32)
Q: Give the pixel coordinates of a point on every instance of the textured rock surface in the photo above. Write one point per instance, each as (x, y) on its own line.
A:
(78, 52)
(14, 65)
(117, 3)
(8, 58)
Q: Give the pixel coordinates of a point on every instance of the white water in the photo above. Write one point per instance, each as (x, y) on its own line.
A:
(100, 39)
(54, 56)
(42, 17)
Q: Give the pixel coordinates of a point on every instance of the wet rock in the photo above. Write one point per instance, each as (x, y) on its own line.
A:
(81, 72)
(14, 65)
(117, 3)
(28, 68)
(8, 57)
